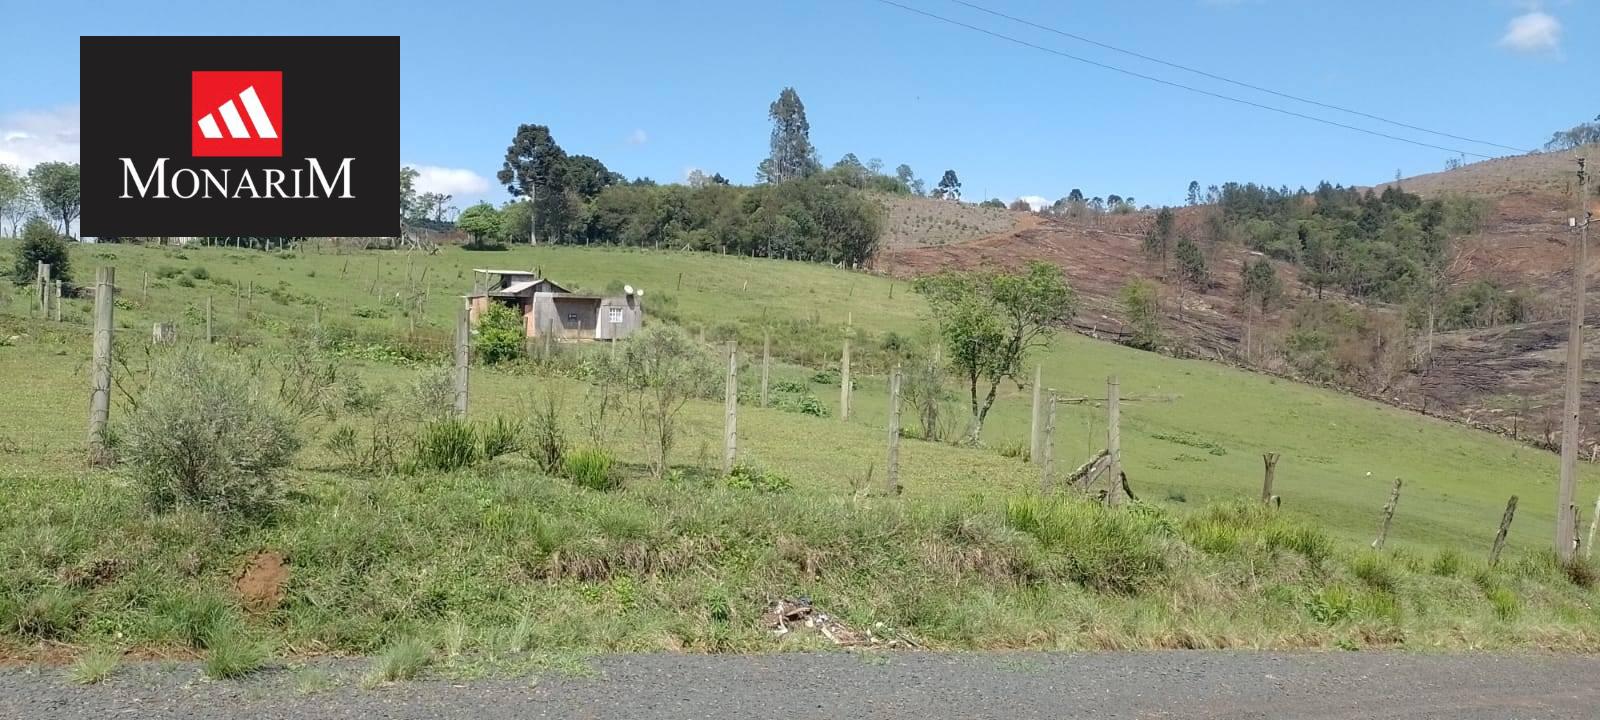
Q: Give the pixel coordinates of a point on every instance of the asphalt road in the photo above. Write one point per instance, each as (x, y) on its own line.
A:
(891, 685)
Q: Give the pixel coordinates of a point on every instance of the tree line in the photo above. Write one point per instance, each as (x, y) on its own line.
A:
(798, 208)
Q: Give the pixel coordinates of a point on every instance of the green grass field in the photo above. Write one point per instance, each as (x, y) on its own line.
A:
(1339, 456)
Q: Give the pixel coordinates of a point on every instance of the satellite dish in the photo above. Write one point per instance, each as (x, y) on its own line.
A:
(639, 292)
(627, 289)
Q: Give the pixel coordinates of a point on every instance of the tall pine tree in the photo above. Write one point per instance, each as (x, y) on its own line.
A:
(792, 155)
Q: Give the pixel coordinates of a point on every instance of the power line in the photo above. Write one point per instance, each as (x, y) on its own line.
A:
(1181, 86)
(1231, 81)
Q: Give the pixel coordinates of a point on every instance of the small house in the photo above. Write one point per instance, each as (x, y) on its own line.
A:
(550, 309)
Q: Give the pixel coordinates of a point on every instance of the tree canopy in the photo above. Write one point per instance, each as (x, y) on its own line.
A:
(56, 185)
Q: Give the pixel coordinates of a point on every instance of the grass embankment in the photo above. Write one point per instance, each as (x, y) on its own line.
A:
(500, 560)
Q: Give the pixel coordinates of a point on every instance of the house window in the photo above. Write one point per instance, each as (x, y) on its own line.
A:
(614, 315)
(572, 318)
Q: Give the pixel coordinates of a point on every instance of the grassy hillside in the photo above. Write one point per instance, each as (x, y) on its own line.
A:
(964, 559)
(1340, 454)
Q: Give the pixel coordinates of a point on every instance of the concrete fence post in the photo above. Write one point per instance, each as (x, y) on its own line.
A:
(766, 364)
(1114, 440)
(1034, 449)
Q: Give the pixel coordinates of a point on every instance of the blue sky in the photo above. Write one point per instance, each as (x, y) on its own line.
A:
(658, 88)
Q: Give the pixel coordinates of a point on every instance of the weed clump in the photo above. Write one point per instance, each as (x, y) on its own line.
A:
(401, 660)
(447, 445)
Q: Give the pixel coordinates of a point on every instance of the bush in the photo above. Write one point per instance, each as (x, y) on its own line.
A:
(746, 477)
(41, 243)
(500, 335)
(199, 272)
(205, 434)
(591, 468)
(231, 655)
(402, 660)
(447, 445)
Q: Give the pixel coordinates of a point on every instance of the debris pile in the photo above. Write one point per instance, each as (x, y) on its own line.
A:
(785, 615)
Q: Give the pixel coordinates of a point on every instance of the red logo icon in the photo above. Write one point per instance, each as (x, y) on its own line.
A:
(237, 113)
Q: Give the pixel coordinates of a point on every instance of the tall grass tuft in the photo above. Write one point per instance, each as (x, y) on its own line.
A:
(1089, 544)
(232, 654)
(591, 468)
(499, 437)
(447, 445)
(94, 667)
(401, 660)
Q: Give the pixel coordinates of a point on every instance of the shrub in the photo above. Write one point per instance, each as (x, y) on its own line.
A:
(591, 468)
(663, 369)
(205, 434)
(746, 477)
(1091, 545)
(41, 243)
(1331, 605)
(50, 615)
(433, 395)
(447, 445)
(500, 335)
(1375, 570)
(199, 272)
(499, 437)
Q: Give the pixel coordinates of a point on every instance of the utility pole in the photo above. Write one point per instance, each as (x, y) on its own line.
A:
(1566, 528)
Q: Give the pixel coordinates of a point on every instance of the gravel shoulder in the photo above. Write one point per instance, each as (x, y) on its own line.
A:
(843, 685)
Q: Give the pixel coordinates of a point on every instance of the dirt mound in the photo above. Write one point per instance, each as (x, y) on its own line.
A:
(260, 583)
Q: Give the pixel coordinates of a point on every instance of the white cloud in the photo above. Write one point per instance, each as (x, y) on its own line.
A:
(638, 137)
(31, 137)
(1035, 202)
(1533, 32)
(450, 181)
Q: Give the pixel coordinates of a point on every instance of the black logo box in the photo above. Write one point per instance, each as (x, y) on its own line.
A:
(341, 99)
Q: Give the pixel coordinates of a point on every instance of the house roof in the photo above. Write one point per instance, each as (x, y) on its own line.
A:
(518, 287)
(529, 273)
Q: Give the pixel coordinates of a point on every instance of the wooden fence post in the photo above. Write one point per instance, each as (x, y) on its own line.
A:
(100, 372)
(766, 363)
(250, 295)
(1048, 441)
(1114, 440)
(844, 376)
(209, 336)
(1270, 460)
(730, 421)
(893, 464)
(163, 333)
(1576, 517)
(463, 342)
(1034, 448)
(1588, 548)
(1388, 516)
(1505, 527)
(58, 301)
(144, 286)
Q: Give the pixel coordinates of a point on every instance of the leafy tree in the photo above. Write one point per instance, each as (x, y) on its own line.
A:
(989, 321)
(1019, 205)
(535, 166)
(908, 178)
(434, 206)
(1194, 192)
(1076, 196)
(408, 194)
(13, 197)
(1141, 302)
(58, 189)
(718, 179)
(40, 244)
(586, 176)
(663, 368)
(483, 222)
(791, 155)
(949, 186)
(1578, 135)
(1158, 239)
(993, 203)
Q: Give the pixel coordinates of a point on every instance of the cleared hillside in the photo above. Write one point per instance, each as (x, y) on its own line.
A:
(912, 221)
